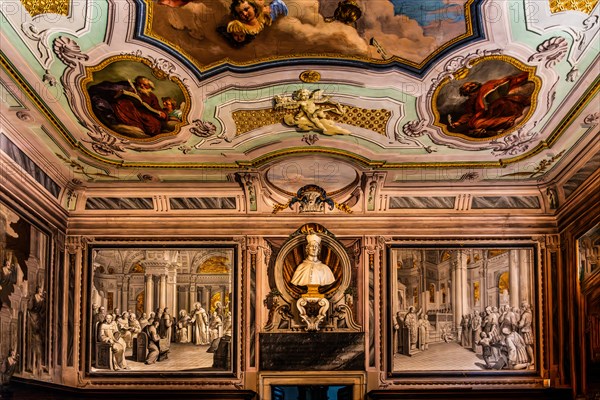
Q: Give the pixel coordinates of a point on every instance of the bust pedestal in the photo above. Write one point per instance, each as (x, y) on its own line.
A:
(313, 308)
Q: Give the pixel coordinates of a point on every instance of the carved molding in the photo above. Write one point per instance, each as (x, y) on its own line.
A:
(553, 242)
(75, 244)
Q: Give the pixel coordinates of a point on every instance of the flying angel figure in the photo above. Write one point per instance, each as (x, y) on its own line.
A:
(311, 111)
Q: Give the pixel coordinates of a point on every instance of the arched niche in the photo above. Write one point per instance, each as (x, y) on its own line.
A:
(332, 253)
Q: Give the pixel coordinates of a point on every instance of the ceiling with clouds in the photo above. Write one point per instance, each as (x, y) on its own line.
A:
(304, 91)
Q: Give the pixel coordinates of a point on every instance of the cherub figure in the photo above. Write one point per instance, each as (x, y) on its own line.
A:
(249, 18)
(311, 111)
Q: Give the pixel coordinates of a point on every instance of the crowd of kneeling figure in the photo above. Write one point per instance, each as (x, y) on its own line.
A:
(503, 336)
(120, 329)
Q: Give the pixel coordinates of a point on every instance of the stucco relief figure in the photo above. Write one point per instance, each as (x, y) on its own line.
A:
(311, 111)
(312, 271)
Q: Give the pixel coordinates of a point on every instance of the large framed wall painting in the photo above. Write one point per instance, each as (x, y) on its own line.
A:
(465, 311)
(162, 310)
(25, 331)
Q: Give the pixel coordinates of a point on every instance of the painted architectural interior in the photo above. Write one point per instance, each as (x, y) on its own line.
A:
(288, 198)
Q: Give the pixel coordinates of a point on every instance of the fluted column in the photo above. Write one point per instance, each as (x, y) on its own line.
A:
(149, 295)
(513, 278)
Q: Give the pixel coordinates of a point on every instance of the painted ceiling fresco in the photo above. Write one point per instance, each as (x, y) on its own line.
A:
(176, 90)
(381, 32)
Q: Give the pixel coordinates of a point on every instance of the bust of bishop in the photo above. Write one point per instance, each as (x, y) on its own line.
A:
(312, 271)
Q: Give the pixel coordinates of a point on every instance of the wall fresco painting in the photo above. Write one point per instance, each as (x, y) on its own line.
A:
(25, 255)
(471, 311)
(246, 31)
(134, 101)
(157, 310)
(492, 98)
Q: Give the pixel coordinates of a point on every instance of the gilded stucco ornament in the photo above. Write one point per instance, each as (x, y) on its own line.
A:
(310, 76)
(586, 7)
(38, 7)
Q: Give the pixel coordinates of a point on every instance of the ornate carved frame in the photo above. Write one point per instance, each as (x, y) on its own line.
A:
(216, 378)
(426, 378)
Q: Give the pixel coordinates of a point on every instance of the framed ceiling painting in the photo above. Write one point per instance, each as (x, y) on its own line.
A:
(462, 311)
(162, 310)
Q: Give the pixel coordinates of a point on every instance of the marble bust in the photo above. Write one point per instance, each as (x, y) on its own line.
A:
(312, 271)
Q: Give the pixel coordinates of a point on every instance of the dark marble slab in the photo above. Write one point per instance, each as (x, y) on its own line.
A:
(202, 203)
(306, 351)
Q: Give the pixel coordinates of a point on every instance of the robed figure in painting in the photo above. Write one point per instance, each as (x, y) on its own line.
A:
(130, 108)
(200, 324)
(36, 322)
(493, 106)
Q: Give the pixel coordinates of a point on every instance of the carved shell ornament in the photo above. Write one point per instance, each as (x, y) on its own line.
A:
(552, 51)
(68, 51)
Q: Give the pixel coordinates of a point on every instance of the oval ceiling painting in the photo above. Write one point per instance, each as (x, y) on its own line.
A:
(135, 101)
(492, 98)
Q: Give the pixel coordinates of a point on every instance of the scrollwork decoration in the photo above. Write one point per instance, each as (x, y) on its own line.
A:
(412, 130)
(105, 144)
(592, 119)
(201, 129)
(514, 143)
(551, 51)
(456, 65)
(68, 51)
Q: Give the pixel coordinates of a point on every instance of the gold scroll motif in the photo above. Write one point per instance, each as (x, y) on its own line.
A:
(585, 6)
(37, 7)
(374, 120)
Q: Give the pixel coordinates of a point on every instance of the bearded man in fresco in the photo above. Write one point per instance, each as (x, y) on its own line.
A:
(129, 107)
